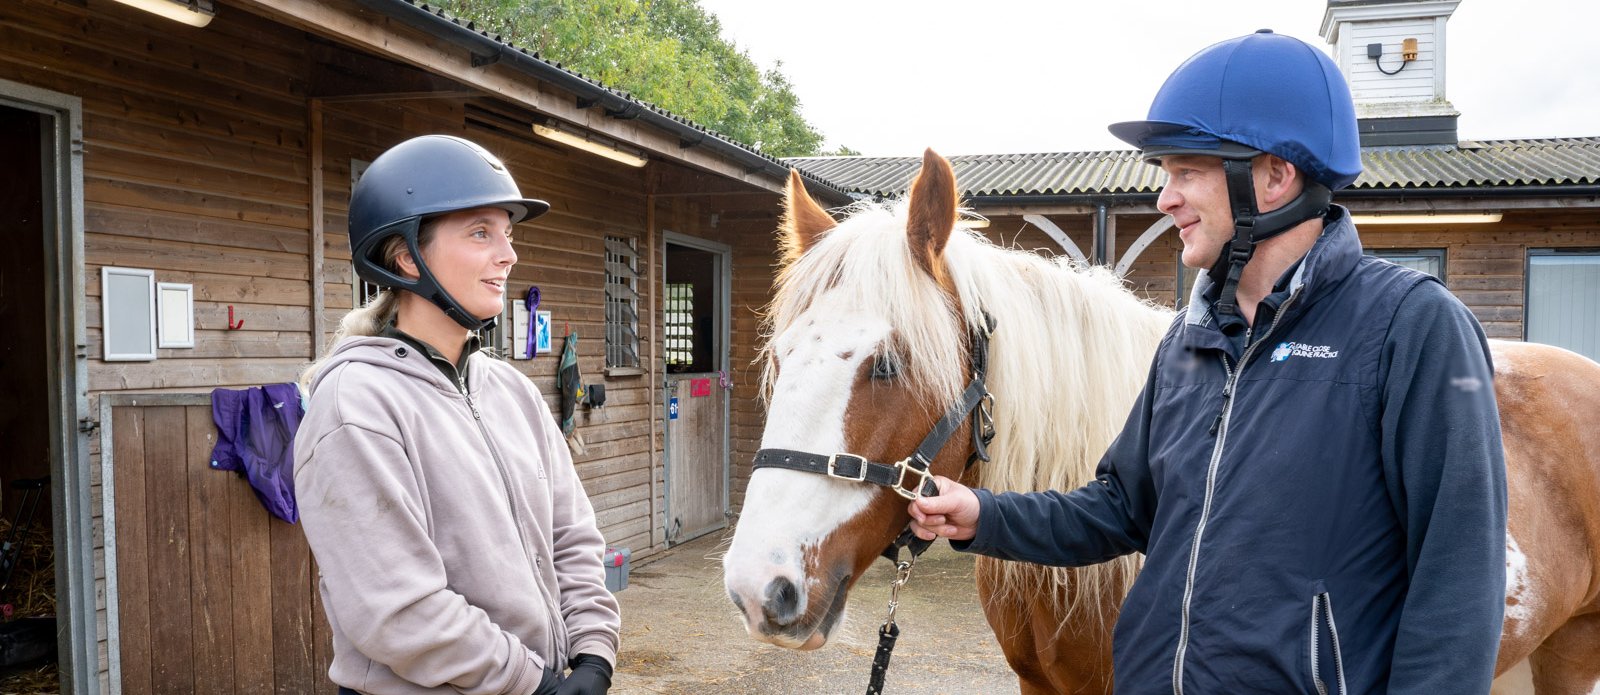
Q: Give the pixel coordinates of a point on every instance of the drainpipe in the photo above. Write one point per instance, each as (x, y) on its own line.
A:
(656, 410)
(1099, 257)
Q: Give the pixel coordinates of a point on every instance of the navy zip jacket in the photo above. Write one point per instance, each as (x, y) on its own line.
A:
(1322, 506)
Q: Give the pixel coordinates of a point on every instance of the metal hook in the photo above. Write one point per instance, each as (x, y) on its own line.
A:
(231, 325)
(902, 574)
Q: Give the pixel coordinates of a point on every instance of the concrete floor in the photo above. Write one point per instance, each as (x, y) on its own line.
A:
(680, 634)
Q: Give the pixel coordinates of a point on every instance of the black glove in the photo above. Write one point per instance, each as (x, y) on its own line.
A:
(591, 675)
(548, 683)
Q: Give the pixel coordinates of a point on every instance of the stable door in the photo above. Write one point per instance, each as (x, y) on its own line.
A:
(696, 390)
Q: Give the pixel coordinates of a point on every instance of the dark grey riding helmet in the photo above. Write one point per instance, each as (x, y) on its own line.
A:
(420, 178)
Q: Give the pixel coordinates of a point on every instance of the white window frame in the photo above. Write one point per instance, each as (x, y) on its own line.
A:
(107, 310)
(1527, 278)
(175, 303)
(625, 294)
(1403, 253)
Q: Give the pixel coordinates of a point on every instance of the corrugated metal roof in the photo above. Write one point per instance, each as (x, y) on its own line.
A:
(1496, 163)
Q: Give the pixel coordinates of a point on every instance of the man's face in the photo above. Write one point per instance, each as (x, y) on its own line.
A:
(1196, 195)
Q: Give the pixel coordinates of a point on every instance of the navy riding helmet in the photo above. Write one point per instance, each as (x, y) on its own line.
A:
(420, 178)
(1258, 93)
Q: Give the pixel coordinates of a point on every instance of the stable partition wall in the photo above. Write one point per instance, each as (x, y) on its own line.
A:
(210, 593)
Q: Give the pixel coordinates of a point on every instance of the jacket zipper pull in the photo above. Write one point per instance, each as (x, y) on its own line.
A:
(1227, 395)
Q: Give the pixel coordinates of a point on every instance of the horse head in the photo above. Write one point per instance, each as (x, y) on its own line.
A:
(869, 345)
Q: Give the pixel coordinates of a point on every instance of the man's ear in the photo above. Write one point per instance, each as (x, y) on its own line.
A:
(1277, 181)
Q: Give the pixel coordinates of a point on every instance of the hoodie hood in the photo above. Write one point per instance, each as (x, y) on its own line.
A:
(392, 354)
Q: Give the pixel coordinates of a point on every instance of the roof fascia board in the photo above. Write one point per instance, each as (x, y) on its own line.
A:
(423, 42)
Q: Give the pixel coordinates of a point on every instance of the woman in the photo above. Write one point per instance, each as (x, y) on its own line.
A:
(458, 551)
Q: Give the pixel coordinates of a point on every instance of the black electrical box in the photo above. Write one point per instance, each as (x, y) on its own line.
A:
(1374, 50)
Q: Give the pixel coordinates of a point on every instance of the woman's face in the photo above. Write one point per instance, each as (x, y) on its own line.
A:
(471, 256)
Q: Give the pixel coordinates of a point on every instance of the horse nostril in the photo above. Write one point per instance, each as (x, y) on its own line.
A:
(783, 602)
(737, 602)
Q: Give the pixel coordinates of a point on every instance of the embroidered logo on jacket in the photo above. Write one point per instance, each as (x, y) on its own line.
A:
(1286, 350)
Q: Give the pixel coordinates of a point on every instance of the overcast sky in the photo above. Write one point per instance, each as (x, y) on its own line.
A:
(890, 77)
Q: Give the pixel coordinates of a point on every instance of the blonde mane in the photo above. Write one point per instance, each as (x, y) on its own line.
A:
(1071, 350)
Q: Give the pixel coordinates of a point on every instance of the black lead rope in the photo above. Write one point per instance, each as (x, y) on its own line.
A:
(889, 632)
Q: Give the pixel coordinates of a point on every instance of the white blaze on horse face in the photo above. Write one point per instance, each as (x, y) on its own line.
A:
(788, 512)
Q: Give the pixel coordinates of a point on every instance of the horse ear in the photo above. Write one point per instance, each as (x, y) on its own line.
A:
(932, 212)
(804, 221)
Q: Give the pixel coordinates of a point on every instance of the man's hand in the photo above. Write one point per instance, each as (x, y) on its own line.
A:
(952, 514)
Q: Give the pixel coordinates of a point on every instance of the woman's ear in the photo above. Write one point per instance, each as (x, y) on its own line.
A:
(406, 265)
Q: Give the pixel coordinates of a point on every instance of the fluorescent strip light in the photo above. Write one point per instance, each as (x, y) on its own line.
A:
(194, 14)
(584, 143)
(973, 220)
(1428, 218)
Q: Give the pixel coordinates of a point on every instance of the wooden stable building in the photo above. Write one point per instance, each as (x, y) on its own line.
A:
(178, 195)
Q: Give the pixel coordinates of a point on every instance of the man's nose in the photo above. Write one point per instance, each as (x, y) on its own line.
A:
(1169, 200)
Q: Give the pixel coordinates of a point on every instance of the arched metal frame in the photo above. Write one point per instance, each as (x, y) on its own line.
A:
(1151, 233)
(1144, 241)
(1060, 237)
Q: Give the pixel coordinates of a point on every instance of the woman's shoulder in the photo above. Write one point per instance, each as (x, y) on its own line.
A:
(503, 371)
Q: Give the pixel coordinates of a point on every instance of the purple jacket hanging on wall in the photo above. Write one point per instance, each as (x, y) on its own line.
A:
(255, 438)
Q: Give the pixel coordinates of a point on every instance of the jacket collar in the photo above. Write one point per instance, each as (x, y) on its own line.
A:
(1327, 264)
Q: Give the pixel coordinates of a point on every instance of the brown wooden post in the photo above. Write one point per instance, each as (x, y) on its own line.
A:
(318, 303)
(654, 384)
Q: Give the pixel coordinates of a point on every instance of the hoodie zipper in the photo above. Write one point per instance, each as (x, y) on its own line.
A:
(505, 479)
(1220, 429)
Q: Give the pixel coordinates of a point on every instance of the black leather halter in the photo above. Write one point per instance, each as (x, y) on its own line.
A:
(910, 477)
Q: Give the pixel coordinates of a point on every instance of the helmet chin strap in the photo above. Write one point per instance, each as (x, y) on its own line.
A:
(425, 285)
(1251, 227)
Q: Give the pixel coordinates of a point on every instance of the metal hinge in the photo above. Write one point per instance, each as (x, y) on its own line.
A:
(88, 425)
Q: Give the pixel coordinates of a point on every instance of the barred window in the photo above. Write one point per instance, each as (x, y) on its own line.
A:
(680, 324)
(364, 291)
(622, 302)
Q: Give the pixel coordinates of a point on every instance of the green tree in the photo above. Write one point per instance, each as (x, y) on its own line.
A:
(668, 52)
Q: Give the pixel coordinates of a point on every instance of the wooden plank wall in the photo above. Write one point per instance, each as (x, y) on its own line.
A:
(1485, 265)
(193, 166)
(215, 595)
(754, 236)
(197, 165)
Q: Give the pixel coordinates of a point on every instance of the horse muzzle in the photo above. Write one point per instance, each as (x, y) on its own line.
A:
(784, 614)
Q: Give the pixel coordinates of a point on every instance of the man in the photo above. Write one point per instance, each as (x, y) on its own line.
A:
(1314, 468)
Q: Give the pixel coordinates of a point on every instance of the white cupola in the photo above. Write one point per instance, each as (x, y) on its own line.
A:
(1392, 53)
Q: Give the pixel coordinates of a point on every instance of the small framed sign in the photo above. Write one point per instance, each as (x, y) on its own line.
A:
(519, 332)
(127, 314)
(175, 305)
(542, 334)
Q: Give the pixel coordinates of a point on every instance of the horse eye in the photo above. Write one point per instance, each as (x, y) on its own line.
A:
(884, 367)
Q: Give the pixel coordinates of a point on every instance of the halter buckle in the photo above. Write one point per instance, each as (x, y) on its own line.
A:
(923, 477)
(861, 468)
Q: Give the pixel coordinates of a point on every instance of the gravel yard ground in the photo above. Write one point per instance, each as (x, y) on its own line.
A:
(680, 634)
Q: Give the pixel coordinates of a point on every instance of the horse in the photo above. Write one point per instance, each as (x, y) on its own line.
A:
(875, 329)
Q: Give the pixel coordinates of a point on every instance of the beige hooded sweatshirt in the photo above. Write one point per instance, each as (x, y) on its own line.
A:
(458, 550)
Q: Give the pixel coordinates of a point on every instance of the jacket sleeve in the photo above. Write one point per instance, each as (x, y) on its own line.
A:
(1105, 519)
(590, 612)
(385, 581)
(1445, 471)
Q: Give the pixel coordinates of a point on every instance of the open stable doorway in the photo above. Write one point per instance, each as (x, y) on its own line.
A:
(695, 338)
